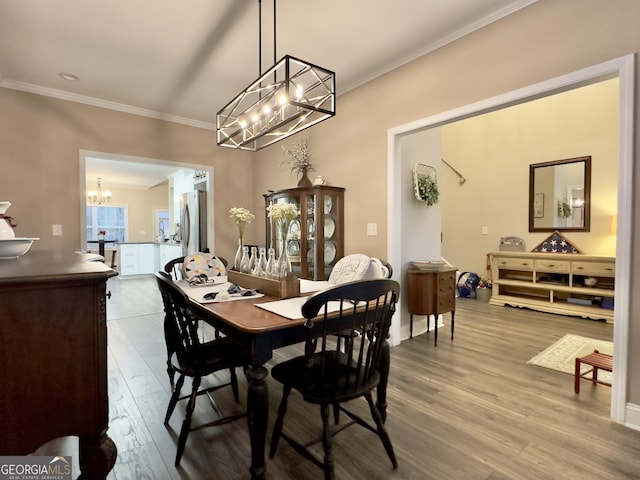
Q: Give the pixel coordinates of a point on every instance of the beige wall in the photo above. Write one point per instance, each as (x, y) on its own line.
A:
(40, 137)
(40, 141)
(494, 151)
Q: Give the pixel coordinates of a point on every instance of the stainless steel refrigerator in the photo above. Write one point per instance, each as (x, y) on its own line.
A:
(193, 222)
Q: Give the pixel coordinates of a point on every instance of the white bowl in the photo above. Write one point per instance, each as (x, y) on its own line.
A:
(428, 264)
(14, 247)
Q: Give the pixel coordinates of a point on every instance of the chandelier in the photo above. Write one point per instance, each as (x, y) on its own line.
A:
(99, 196)
(289, 97)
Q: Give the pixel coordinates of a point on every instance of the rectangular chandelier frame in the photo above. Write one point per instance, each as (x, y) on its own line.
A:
(291, 96)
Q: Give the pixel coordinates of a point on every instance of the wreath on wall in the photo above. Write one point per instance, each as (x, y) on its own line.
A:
(425, 184)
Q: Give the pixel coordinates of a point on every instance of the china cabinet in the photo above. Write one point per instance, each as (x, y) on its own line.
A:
(315, 241)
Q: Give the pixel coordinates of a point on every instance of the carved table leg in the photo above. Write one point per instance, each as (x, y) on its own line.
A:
(97, 457)
(383, 367)
(257, 416)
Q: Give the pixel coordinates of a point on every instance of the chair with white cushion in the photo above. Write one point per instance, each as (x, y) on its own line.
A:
(358, 266)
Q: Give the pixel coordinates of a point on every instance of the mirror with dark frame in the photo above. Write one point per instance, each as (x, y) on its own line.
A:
(560, 195)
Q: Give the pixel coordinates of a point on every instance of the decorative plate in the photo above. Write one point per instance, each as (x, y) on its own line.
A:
(293, 248)
(329, 253)
(294, 229)
(328, 204)
(329, 227)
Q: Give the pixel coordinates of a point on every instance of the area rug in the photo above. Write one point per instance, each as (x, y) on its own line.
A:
(561, 355)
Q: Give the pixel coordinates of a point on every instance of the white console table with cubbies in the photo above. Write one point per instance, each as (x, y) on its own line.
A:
(567, 284)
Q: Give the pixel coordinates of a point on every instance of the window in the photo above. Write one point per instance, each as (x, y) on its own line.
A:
(110, 219)
(161, 219)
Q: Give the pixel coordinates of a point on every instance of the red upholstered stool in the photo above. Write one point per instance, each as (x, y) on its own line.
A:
(598, 361)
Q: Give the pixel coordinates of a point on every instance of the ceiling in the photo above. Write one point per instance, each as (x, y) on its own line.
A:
(185, 60)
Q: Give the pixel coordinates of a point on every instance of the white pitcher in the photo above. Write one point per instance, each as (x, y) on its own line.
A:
(6, 230)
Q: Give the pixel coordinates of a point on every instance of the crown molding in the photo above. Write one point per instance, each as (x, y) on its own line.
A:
(97, 102)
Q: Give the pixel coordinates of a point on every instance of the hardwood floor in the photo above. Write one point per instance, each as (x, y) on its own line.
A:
(468, 409)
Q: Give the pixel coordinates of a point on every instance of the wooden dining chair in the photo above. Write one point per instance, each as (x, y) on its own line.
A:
(172, 267)
(192, 358)
(331, 375)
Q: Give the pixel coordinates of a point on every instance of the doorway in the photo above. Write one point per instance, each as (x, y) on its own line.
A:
(143, 173)
(624, 69)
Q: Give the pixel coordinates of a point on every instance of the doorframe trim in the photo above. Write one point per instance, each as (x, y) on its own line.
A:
(624, 69)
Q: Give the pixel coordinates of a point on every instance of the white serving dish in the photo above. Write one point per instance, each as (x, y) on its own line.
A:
(428, 264)
(6, 231)
(14, 247)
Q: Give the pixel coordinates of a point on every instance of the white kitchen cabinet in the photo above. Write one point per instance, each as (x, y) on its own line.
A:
(168, 252)
(137, 258)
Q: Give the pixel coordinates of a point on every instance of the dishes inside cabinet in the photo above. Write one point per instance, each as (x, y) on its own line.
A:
(328, 204)
(293, 250)
(329, 252)
(329, 227)
(294, 230)
(310, 255)
(311, 228)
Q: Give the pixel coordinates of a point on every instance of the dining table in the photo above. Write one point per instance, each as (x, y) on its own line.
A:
(261, 331)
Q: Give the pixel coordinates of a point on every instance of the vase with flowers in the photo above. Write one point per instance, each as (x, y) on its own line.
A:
(241, 216)
(283, 214)
(298, 158)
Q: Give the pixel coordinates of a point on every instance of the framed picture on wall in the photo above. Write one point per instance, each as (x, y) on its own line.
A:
(538, 205)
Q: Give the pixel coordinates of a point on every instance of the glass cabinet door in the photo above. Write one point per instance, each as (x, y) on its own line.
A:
(315, 240)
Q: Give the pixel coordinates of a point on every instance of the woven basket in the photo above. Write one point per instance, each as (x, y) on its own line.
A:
(427, 170)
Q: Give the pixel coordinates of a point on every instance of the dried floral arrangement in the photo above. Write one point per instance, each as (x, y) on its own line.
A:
(298, 157)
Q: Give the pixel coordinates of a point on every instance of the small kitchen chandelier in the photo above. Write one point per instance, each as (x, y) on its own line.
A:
(289, 97)
(99, 196)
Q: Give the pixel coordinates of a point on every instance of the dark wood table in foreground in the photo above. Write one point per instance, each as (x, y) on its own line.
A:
(53, 353)
(262, 332)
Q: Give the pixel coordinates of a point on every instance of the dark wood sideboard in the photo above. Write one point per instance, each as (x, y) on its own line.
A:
(431, 292)
(53, 355)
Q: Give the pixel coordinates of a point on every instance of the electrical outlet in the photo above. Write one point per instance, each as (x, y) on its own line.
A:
(485, 230)
(56, 230)
(372, 229)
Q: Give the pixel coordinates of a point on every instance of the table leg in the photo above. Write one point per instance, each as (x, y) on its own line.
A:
(453, 322)
(383, 368)
(411, 325)
(257, 416)
(435, 329)
(97, 457)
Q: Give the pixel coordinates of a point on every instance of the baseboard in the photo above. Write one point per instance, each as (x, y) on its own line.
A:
(632, 416)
